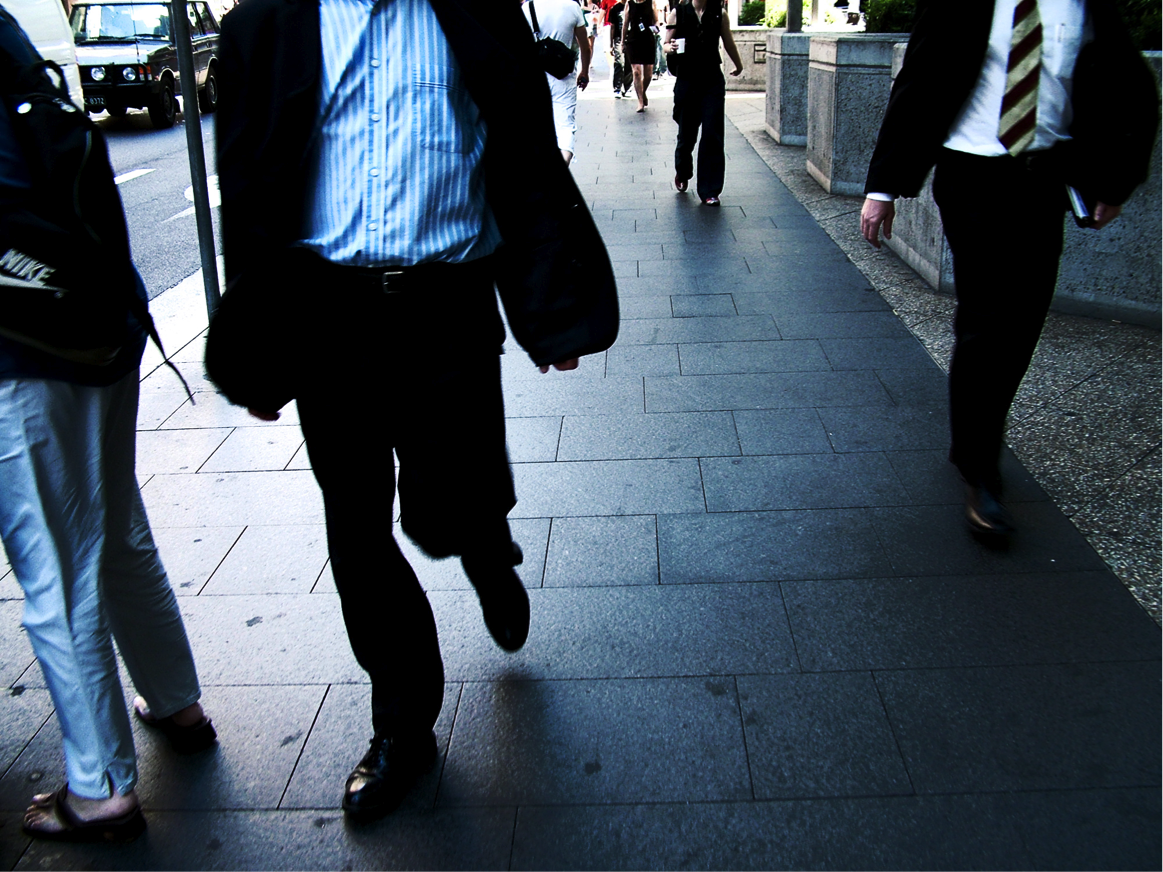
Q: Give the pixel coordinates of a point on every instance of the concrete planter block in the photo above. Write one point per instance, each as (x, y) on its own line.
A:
(752, 45)
(1115, 273)
(787, 87)
(849, 80)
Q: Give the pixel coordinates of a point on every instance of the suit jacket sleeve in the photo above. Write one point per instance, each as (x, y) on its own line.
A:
(944, 56)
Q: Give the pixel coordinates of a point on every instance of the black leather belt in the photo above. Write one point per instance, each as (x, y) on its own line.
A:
(403, 279)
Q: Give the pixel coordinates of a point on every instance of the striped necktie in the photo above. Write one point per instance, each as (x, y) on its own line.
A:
(1019, 108)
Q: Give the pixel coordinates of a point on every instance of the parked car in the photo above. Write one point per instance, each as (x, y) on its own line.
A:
(128, 58)
(46, 25)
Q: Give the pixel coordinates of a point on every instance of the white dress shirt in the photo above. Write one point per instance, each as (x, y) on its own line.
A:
(1065, 29)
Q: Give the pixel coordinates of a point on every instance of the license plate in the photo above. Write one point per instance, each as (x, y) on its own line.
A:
(95, 101)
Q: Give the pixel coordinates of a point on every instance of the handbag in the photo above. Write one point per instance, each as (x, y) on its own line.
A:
(555, 57)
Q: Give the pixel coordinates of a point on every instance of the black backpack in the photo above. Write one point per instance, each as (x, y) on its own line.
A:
(67, 284)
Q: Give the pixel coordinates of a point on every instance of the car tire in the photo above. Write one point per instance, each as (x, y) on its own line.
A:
(163, 107)
(116, 110)
(208, 96)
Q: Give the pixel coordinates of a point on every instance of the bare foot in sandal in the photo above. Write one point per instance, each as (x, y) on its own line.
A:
(67, 817)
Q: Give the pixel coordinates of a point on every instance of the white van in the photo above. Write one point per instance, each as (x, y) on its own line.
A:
(47, 26)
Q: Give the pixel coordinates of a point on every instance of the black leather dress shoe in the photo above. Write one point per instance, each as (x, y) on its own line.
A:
(986, 514)
(386, 773)
(504, 602)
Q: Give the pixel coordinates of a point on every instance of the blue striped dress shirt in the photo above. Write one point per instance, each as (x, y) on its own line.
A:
(396, 169)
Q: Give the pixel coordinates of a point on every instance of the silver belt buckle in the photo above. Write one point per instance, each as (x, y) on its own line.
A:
(388, 277)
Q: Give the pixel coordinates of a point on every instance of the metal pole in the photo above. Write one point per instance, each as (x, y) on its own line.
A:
(180, 26)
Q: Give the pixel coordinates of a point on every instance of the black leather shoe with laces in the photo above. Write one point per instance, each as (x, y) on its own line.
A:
(385, 775)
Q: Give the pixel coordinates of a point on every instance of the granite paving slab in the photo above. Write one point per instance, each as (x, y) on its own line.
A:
(981, 620)
(788, 390)
(805, 481)
(819, 736)
(623, 632)
(720, 358)
(607, 487)
(681, 434)
(1016, 728)
(554, 742)
(591, 552)
(477, 838)
(769, 546)
(892, 833)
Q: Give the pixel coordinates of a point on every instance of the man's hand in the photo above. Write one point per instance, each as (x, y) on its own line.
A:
(563, 366)
(264, 416)
(1104, 214)
(737, 71)
(582, 81)
(875, 215)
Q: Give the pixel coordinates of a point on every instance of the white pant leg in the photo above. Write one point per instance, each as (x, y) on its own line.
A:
(564, 94)
(54, 518)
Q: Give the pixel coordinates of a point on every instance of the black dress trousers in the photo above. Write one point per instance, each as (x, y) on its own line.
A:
(1003, 219)
(417, 372)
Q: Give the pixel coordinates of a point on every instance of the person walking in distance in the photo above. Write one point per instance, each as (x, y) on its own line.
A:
(638, 28)
(378, 189)
(694, 29)
(564, 21)
(1010, 105)
(623, 75)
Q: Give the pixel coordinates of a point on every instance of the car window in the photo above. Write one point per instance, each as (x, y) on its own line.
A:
(204, 18)
(192, 14)
(123, 21)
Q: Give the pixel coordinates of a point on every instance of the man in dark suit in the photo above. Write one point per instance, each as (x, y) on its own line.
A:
(1011, 102)
(374, 188)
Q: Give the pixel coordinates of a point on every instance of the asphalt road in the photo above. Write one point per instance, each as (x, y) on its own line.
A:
(153, 169)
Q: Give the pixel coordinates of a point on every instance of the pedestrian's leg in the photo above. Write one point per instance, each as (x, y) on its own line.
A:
(688, 115)
(143, 611)
(52, 520)
(455, 493)
(647, 77)
(619, 78)
(389, 621)
(1005, 269)
(639, 90)
(712, 162)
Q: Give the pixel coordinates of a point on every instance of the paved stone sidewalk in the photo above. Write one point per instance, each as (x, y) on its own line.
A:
(761, 639)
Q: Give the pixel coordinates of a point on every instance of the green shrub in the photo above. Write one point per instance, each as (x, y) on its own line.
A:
(751, 13)
(1145, 22)
(777, 17)
(891, 16)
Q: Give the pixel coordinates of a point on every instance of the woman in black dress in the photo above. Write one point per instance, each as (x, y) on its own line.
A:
(639, 25)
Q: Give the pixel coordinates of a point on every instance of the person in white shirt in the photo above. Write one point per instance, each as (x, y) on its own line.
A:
(1008, 124)
(564, 21)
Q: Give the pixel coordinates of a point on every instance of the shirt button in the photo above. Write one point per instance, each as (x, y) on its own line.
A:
(375, 116)
(375, 63)
(375, 172)
(373, 226)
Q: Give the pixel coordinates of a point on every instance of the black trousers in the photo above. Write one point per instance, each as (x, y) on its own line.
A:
(418, 372)
(1003, 219)
(699, 104)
